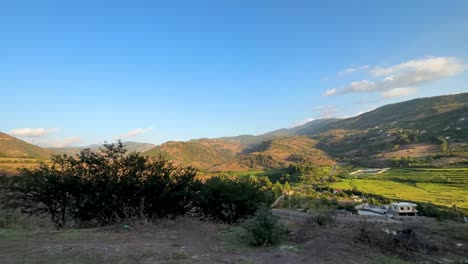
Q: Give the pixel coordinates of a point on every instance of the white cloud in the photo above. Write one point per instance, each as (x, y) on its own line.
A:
(61, 142)
(32, 132)
(401, 76)
(430, 68)
(398, 92)
(133, 133)
(330, 92)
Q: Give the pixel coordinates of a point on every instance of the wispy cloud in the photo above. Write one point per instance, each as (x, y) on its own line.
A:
(351, 70)
(399, 92)
(326, 111)
(133, 133)
(32, 132)
(400, 79)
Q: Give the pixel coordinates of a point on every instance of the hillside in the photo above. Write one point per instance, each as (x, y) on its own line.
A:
(417, 128)
(202, 154)
(12, 147)
(436, 115)
(220, 155)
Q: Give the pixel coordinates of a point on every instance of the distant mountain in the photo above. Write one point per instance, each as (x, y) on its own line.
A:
(129, 145)
(413, 128)
(17, 148)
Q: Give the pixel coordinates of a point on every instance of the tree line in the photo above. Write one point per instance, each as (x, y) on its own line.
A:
(100, 188)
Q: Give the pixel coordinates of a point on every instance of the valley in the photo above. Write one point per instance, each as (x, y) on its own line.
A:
(422, 140)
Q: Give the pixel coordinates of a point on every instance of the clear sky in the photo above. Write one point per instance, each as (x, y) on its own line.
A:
(81, 72)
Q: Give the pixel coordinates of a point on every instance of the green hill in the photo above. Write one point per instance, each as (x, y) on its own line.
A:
(203, 154)
(12, 147)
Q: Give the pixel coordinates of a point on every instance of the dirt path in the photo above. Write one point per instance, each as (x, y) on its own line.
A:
(302, 217)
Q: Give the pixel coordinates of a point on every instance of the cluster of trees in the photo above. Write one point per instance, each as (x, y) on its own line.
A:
(110, 186)
(253, 160)
(407, 136)
(301, 173)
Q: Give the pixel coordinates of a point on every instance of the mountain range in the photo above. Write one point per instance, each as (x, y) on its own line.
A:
(416, 128)
(129, 145)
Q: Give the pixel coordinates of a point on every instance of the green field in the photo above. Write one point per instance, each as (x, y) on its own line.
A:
(446, 187)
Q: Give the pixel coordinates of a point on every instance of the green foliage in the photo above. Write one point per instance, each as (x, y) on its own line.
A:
(286, 187)
(264, 228)
(231, 199)
(277, 189)
(102, 187)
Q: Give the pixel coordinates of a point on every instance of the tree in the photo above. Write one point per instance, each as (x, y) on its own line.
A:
(277, 189)
(443, 145)
(286, 188)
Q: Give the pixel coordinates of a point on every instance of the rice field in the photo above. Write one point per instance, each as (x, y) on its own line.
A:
(446, 187)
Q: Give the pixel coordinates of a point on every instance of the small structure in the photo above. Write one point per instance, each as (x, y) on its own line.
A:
(335, 191)
(403, 209)
(370, 171)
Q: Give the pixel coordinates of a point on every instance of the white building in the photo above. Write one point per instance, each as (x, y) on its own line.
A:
(403, 209)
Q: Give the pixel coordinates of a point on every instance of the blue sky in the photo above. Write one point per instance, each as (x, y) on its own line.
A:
(82, 72)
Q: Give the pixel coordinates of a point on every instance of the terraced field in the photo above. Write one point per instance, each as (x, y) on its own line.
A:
(10, 166)
(445, 187)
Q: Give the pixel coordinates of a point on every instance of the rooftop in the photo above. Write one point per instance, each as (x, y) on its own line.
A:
(404, 204)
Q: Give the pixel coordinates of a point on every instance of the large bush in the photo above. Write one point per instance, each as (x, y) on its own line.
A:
(232, 199)
(102, 187)
(264, 228)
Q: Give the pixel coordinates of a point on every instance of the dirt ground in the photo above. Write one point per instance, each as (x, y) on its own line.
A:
(190, 241)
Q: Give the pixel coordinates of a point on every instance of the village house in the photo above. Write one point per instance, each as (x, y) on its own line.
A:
(403, 209)
(393, 210)
(372, 210)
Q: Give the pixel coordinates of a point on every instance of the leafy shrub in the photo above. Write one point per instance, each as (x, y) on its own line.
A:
(438, 212)
(264, 228)
(323, 220)
(232, 199)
